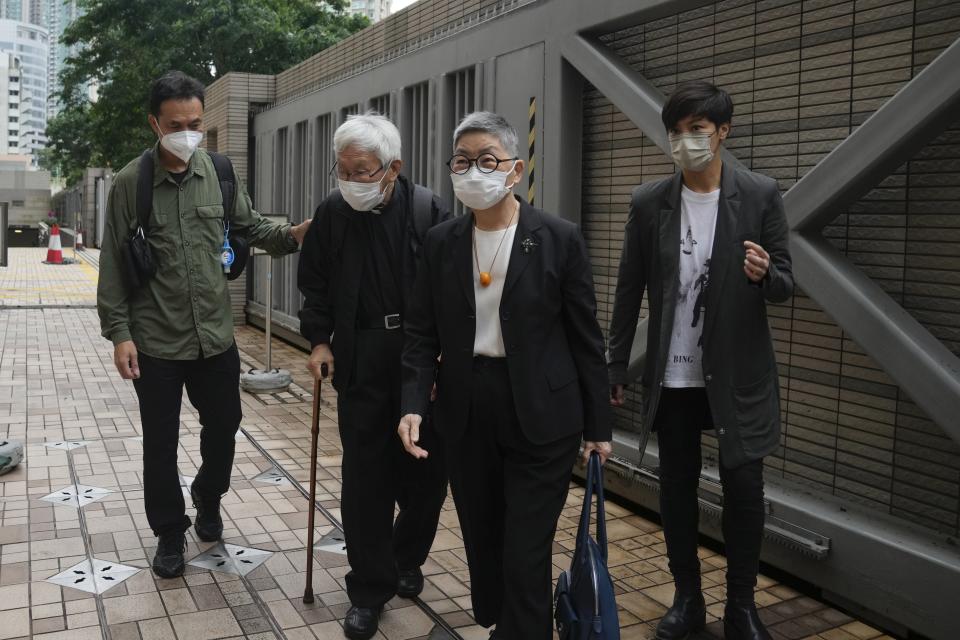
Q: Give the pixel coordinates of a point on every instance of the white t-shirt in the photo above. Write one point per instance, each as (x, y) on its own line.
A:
(488, 340)
(698, 223)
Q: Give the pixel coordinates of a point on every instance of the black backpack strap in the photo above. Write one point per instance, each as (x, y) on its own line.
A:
(228, 187)
(145, 189)
(422, 211)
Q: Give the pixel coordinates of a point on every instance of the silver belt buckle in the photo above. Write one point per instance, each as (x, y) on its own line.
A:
(391, 321)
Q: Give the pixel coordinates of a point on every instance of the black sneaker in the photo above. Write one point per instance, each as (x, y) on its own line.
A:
(208, 524)
(168, 561)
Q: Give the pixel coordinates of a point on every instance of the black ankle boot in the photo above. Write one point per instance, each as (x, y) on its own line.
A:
(209, 524)
(687, 616)
(741, 621)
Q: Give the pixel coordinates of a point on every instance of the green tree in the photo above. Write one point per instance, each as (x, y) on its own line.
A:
(123, 44)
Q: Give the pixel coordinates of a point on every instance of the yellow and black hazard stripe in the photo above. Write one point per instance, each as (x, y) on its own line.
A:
(532, 158)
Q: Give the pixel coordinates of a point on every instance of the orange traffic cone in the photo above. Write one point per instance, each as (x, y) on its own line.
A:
(54, 250)
(78, 245)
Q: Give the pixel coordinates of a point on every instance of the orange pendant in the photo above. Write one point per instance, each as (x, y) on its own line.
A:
(485, 279)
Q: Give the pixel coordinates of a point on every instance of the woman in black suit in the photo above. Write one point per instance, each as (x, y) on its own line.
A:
(506, 295)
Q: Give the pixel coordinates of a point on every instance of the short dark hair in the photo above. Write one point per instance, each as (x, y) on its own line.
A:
(175, 85)
(697, 98)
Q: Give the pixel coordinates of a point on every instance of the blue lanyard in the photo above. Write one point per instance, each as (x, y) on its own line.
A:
(226, 252)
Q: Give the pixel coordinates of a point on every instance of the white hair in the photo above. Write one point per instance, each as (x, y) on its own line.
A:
(492, 124)
(370, 132)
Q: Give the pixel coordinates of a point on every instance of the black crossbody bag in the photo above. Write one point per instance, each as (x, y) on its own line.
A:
(138, 259)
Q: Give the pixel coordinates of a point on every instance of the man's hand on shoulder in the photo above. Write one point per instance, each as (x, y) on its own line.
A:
(125, 359)
(299, 231)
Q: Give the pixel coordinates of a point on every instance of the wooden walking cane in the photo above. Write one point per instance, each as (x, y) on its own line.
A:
(314, 434)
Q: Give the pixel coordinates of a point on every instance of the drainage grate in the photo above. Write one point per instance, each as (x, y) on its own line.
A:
(293, 396)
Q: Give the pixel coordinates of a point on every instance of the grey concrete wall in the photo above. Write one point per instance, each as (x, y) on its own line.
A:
(28, 193)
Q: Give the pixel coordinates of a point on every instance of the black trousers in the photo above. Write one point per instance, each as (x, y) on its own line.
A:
(509, 494)
(378, 474)
(681, 416)
(213, 386)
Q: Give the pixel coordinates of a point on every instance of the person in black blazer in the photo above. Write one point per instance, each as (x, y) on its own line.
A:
(506, 296)
(356, 272)
(709, 245)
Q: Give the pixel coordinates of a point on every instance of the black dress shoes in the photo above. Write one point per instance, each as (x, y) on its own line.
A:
(741, 622)
(209, 524)
(168, 561)
(687, 616)
(410, 583)
(361, 623)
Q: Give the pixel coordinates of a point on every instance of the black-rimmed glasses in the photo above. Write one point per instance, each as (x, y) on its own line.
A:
(356, 176)
(485, 163)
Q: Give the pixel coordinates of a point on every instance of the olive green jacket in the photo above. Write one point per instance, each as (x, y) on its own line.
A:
(183, 313)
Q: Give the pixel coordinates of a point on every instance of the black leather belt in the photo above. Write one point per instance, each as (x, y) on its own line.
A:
(388, 322)
(486, 361)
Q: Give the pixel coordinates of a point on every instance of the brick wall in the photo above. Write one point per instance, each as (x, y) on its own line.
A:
(404, 32)
(802, 76)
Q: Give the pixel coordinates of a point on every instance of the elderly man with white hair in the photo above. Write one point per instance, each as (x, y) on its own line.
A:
(357, 271)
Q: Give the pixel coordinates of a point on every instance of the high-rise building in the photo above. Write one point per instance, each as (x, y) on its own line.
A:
(376, 10)
(24, 47)
(60, 13)
(29, 11)
(10, 87)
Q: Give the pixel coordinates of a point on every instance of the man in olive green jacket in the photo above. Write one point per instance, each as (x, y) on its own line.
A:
(176, 329)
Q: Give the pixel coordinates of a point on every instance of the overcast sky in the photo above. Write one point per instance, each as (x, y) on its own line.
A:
(396, 5)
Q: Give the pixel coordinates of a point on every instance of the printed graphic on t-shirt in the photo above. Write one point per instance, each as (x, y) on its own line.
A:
(697, 226)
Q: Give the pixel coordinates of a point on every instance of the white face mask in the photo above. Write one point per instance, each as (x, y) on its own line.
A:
(480, 191)
(691, 151)
(181, 143)
(362, 196)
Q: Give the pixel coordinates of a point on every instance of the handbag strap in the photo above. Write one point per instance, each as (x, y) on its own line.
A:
(594, 487)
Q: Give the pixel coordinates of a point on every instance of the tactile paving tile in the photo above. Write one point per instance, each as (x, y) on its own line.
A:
(231, 558)
(66, 445)
(79, 495)
(273, 476)
(332, 542)
(95, 578)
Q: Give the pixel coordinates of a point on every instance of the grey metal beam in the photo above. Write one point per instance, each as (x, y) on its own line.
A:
(621, 14)
(562, 141)
(633, 94)
(915, 359)
(902, 126)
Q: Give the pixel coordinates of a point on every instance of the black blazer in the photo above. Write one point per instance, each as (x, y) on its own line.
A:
(739, 366)
(554, 345)
(330, 272)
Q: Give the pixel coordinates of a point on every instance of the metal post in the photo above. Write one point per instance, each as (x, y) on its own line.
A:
(269, 312)
(3, 233)
(268, 379)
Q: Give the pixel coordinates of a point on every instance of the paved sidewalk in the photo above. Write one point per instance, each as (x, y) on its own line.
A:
(73, 511)
(29, 282)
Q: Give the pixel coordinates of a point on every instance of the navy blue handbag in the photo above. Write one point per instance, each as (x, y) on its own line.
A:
(584, 604)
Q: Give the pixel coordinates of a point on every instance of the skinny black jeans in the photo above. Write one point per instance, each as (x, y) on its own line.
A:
(681, 416)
